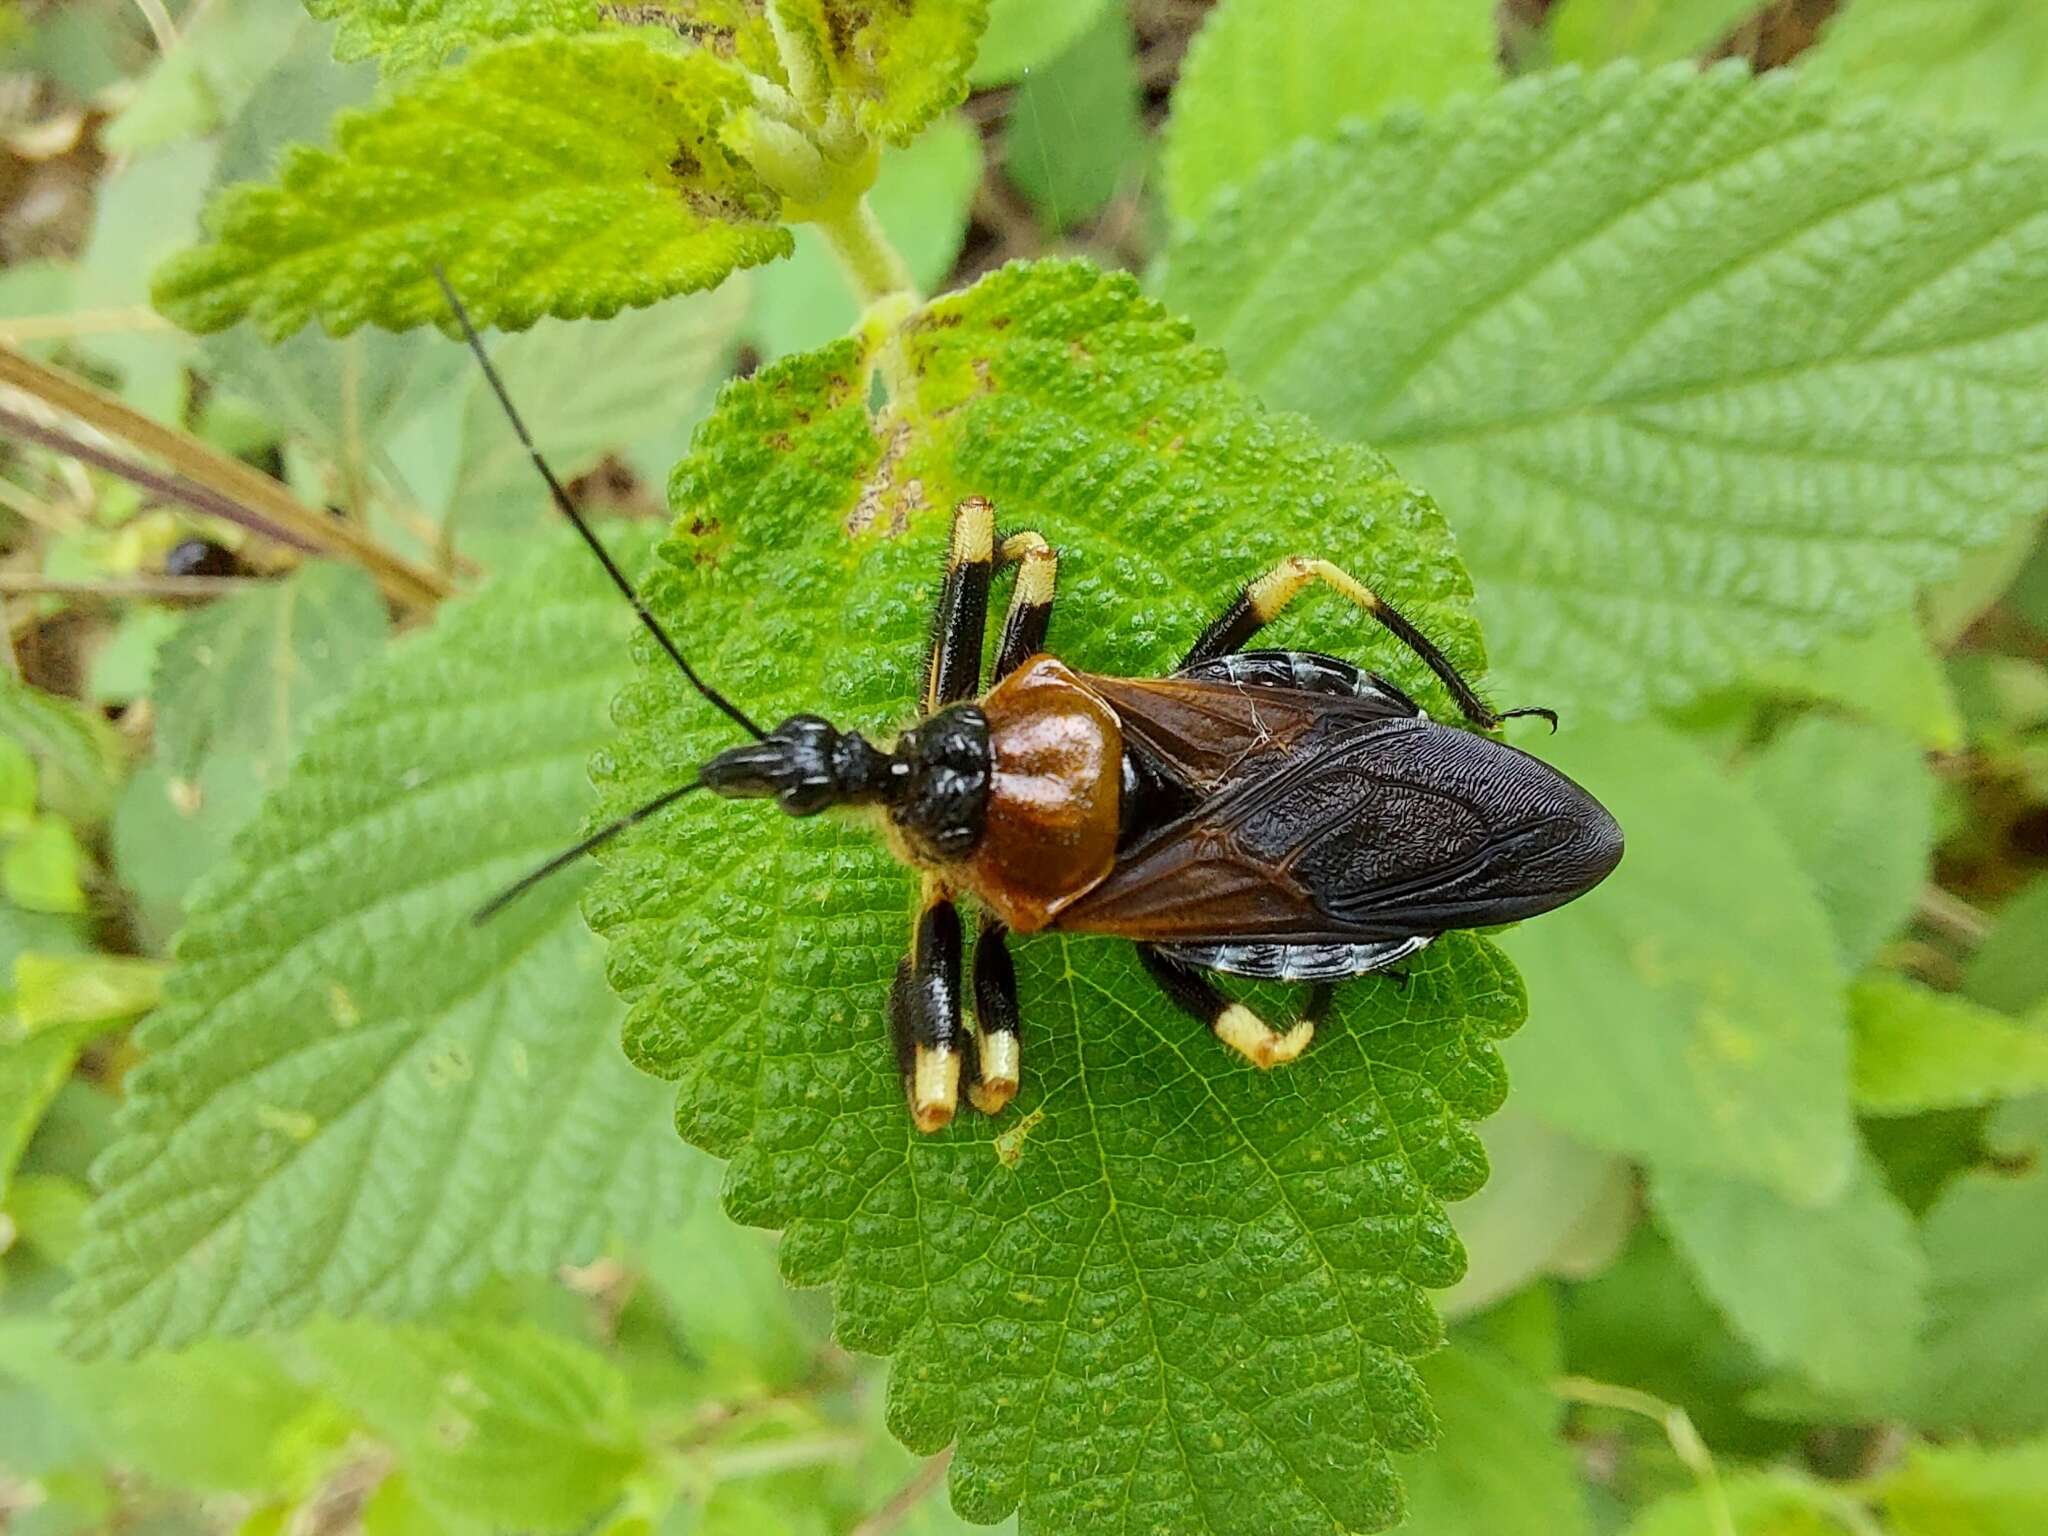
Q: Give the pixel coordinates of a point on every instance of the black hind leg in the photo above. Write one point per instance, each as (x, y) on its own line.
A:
(1233, 1023)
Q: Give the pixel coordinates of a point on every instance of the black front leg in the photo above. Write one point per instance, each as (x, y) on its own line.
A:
(924, 1012)
(998, 1057)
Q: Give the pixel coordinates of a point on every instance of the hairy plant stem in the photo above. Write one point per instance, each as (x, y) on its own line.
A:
(874, 266)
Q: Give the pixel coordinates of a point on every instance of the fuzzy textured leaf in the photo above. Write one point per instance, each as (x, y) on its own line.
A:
(352, 1097)
(557, 176)
(1263, 73)
(408, 33)
(1709, 366)
(242, 675)
(1918, 1049)
(1164, 1291)
(891, 68)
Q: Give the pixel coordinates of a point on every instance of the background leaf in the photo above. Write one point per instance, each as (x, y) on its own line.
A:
(409, 33)
(1655, 31)
(1052, 1284)
(1263, 73)
(1835, 1291)
(505, 1426)
(243, 675)
(335, 1027)
(1977, 63)
(1856, 806)
(1024, 34)
(583, 388)
(1987, 1240)
(1074, 134)
(1918, 1049)
(1817, 384)
(1688, 1011)
(563, 177)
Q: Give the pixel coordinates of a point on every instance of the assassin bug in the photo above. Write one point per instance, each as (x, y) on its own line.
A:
(1280, 815)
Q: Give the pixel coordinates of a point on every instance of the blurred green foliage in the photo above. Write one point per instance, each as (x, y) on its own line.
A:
(321, 1209)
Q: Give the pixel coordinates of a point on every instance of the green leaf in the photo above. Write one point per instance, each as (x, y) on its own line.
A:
(1917, 1049)
(1263, 73)
(354, 1099)
(1114, 1344)
(341, 398)
(1552, 1207)
(51, 991)
(1500, 1465)
(123, 668)
(1643, 1323)
(169, 831)
(1758, 1503)
(1836, 1291)
(921, 196)
(79, 760)
(1891, 676)
(1655, 31)
(219, 1417)
(1987, 1239)
(17, 785)
(1969, 1490)
(1855, 804)
(223, 54)
(890, 68)
(1981, 63)
(32, 1068)
(1595, 314)
(564, 177)
(1074, 135)
(1023, 34)
(1688, 1012)
(508, 1426)
(407, 34)
(43, 866)
(585, 388)
(246, 674)
(145, 210)
(2009, 971)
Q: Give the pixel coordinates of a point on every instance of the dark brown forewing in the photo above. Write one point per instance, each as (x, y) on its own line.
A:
(1366, 831)
(1211, 733)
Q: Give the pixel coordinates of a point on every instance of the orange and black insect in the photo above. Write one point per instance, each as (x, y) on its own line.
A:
(1271, 814)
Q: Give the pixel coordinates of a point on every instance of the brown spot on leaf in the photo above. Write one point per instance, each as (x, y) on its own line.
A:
(884, 504)
(1009, 1147)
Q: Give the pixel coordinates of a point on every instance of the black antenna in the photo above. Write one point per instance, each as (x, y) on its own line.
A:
(597, 839)
(733, 712)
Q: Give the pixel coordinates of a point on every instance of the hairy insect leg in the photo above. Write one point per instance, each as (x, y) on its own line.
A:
(1264, 600)
(1024, 626)
(998, 1061)
(961, 617)
(1233, 1023)
(924, 1010)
